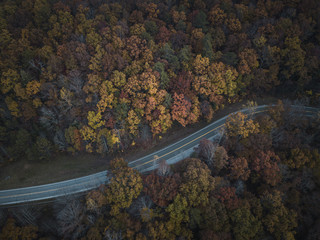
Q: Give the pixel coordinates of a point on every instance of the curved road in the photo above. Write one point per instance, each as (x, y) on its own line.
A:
(172, 153)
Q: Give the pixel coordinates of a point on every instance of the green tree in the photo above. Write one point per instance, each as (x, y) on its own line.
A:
(207, 49)
(245, 226)
(200, 21)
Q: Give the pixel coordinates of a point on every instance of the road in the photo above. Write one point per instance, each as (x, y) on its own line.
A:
(172, 153)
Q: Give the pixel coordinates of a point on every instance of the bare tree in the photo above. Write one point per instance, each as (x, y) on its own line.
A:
(76, 81)
(59, 140)
(49, 118)
(142, 207)
(145, 135)
(163, 168)
(27, 214)
(206, 151)
(251, 106)
(113, 235)
(71, 219)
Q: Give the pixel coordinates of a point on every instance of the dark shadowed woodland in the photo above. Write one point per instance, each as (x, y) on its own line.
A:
(101, 77)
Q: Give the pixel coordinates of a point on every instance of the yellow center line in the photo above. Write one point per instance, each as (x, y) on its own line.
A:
(49, 190)
(188, 143)
(56, 189)
(178, 147)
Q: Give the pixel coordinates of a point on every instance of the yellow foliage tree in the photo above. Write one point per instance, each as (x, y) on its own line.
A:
(95, 119)
(200, 65)
(133, 122)
(118, 79)
(238, 125)
(37, 102)
(8, 80)
(137, 29)
(73, 137)
(95, 61)
(13, 106)
(20, 91)
(88, 134)
(11, 231)
(106, 140)
(66, 95)
(125, 185)
(33, 87)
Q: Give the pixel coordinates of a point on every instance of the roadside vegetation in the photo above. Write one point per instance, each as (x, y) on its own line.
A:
(261, 181)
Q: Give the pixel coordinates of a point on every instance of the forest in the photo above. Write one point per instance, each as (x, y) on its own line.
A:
(261, 181)
(100, 77)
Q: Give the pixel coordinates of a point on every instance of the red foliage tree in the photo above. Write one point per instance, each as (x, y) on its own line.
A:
(181, 110)
(164, 35)
(239, 168)
(227, 196)
(182, 84)
(266, 166)
(161, 189)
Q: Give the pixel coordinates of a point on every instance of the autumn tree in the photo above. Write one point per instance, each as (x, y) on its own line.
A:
(161, 189)
(159, 230)
(125, 185)
(200, 65)
(8, 80)
(220, 159)
(228, 196)
(73, 137)
(183, 111)
(11, 231)
(43, 147)
(248, 61)
(216, 217)
(239, 168)
(278, 220)
(197, 182)
(244, 224)
(217, 81)
(239, 126)
(298, 158)
(265, 166)
(293, 57)
(95, 199)
(179, 216)
(217, 15)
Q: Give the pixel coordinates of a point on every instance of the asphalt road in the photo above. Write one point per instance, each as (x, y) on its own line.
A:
(172, 153)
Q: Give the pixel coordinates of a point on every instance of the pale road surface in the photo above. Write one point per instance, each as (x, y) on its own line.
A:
(172, 153)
